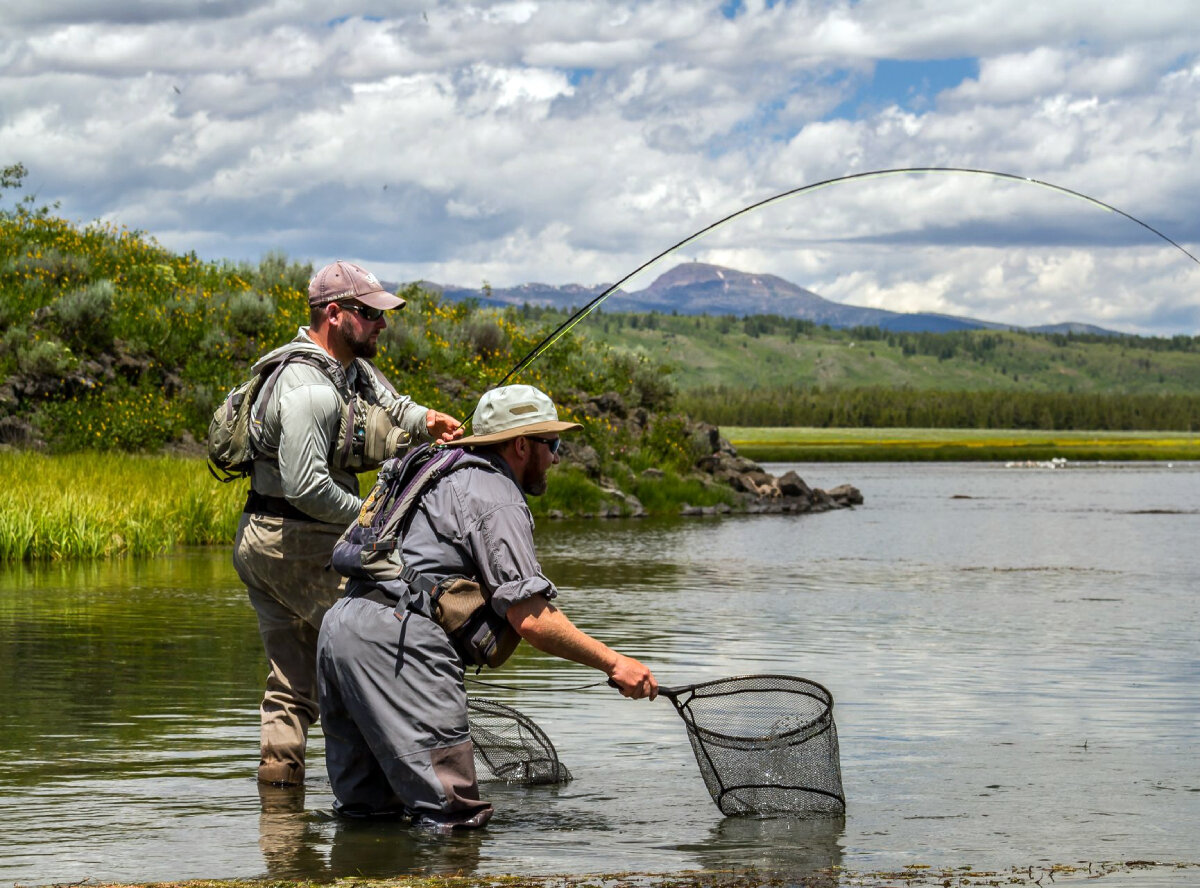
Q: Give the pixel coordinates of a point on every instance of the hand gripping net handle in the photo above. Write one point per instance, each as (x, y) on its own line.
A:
(765, 744)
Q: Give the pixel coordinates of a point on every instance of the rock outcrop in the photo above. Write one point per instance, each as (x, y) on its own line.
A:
(759, 490)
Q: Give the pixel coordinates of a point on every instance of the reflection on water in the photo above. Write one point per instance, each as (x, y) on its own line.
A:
(1013, 656)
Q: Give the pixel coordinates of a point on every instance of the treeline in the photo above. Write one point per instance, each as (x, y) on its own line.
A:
(876, 407)
(979, 343)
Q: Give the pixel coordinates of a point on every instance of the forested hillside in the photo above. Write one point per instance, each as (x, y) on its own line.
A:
(767, 370)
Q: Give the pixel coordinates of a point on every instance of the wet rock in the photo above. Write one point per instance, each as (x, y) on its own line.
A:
(845, 495)
(791, 484)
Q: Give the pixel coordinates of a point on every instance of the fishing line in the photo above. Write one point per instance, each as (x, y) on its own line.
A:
(492, 684)
(595, 303)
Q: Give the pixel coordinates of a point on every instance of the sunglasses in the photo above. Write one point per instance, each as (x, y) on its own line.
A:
(551, 443)
(363, 311)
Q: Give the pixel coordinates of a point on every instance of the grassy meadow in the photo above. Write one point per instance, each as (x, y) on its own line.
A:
(903, 445)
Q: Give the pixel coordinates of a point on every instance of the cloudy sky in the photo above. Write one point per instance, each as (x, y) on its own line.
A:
(569, 141)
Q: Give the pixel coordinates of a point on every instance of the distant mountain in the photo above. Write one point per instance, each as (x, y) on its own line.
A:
(700, 288)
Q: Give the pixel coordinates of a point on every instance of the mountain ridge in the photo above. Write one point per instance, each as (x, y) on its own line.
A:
(694, 288)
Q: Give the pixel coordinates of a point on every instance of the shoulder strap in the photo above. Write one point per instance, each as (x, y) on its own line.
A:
(437, 464)
(272, 371)
(369, 371)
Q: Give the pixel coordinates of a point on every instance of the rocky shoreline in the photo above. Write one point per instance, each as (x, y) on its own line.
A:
(757, 490)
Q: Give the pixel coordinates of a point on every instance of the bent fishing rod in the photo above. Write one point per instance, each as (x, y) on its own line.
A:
(567, 325)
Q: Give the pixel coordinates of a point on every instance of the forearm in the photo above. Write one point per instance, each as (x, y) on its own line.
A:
(408, 415)
(549, 630)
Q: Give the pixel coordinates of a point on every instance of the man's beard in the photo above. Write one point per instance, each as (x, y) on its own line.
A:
(360, 348)
(534, 486)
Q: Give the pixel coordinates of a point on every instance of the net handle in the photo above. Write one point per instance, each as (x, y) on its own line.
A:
(673, 694)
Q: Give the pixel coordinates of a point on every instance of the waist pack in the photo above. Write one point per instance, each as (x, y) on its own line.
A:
(369, 552)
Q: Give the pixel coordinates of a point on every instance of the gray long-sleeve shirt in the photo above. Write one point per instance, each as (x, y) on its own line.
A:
(475, 522)
(300, 425)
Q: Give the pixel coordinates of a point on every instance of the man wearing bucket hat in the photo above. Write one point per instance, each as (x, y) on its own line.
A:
(393, 704)
(323, 414)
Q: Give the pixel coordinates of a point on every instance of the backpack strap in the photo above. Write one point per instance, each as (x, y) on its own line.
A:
(263, 397)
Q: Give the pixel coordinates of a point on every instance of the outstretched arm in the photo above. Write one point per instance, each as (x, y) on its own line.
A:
(549, 630)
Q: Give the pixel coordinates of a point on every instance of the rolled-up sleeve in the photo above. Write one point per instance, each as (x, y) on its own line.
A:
(502, 540)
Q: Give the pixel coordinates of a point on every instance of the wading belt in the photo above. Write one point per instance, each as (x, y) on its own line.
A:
(275, 506)
(419, 584)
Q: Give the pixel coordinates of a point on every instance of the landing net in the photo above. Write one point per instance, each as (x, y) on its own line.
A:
(766, 744)
(509, 747)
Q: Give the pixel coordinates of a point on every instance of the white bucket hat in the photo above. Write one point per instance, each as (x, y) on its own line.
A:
(513, 411)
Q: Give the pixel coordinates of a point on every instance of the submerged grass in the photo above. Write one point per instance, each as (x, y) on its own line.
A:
(912, 445)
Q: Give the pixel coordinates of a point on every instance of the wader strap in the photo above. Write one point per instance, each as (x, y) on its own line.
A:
(275, 506)
(419, 585)
(372, 592)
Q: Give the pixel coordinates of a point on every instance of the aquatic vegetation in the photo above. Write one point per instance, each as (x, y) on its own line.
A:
(99, 505)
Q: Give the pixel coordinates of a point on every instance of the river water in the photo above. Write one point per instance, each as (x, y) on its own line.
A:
(1013, 653)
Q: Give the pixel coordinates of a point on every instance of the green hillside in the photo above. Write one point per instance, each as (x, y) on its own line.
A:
(770, 352)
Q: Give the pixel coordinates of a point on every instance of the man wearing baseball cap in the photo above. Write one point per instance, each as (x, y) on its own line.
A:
(393, 705)
(312, 434)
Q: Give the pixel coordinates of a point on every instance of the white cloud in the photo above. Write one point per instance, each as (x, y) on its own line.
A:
(571, 141)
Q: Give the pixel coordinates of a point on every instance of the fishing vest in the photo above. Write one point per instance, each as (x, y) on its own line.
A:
(367, 433)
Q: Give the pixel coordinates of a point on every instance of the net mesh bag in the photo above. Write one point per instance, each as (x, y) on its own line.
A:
(766, 744)
(510, 747)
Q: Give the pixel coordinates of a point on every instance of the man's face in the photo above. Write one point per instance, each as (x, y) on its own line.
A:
(359, 335)
(533, 479)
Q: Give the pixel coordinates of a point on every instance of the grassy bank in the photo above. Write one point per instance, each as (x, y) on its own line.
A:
(104, 505)
(905, 445)
(99, 505)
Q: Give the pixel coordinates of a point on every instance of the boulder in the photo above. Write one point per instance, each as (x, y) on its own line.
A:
(583, 455)
(791, 484)
(845, 495)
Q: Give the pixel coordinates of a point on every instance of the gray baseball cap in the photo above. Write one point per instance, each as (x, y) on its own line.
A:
(343, 280)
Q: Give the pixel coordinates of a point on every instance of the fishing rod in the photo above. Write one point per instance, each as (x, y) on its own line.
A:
(567, 325)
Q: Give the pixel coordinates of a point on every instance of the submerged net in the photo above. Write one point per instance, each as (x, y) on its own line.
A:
(510, 747)
(766, 744)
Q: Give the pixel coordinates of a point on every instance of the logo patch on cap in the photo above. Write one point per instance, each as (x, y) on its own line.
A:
(522, 409)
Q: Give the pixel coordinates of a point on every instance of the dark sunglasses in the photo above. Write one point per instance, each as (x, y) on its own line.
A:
(551, 443)
(363, 311)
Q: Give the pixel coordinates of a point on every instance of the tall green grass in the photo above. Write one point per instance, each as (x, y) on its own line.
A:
(100, 505)
(103, 505)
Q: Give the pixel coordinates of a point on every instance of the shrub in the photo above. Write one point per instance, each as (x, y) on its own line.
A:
(251, 313)
(85, 315)
(274, 270)
(45, 357)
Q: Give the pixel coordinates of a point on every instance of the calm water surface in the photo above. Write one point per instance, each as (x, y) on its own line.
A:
(1014, 654)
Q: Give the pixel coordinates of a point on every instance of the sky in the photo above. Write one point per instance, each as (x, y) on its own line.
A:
(571, 141)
